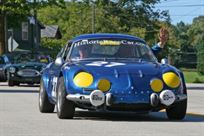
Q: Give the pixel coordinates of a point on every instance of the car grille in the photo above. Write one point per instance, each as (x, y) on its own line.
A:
(28, 73)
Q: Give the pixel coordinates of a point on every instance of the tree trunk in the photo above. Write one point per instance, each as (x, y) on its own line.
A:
(2, 34)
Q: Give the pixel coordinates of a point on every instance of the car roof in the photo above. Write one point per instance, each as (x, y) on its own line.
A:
(107, 35)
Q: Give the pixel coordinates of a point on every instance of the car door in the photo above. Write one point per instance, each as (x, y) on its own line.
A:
(54, 72)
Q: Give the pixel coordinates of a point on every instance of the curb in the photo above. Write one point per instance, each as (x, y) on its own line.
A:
(195, 86)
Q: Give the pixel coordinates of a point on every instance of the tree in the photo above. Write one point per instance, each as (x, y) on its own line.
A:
(20, 9)
(196, 36)
(112, 16)
(2, 30)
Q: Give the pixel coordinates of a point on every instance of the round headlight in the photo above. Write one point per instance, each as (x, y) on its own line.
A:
(104, 85)
(12, 69)
(171, 79)
(83, 79)
(156, 85)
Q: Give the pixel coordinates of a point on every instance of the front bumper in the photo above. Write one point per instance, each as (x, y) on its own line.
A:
(21, 79)
(110, 102)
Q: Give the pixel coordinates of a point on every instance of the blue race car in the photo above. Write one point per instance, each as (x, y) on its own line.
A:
(111, 72)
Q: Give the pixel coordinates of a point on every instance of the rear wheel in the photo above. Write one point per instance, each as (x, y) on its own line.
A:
(44, 104)
(65, 108)
(178, 111)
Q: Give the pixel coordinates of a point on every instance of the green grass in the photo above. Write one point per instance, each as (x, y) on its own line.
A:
(193, 77)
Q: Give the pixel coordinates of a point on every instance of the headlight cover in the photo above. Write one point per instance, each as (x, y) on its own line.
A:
(156, 85)
(12, 69)
(171, 79)
(104, 85)
(83, 79)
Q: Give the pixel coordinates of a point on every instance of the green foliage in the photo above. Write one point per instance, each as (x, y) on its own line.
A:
(52, 46)
(193, 76)
(200, 55)
(17, 10)
(196, 30)
(122, 16)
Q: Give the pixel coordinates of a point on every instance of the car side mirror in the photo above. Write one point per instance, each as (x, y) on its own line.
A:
(164, 61)
(59, 61)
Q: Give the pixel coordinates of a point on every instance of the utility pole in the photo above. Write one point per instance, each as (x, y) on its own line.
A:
(93, 16)
(36, 42)
(33, 24)
(2, 31)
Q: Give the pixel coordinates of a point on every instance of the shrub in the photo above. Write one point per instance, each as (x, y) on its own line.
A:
(200, 56)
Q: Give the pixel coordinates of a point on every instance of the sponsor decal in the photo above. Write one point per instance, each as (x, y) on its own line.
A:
(167, 97)
(107, 42)
(97, 98)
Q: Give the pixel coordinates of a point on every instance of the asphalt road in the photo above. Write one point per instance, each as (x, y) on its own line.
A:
(19, 116)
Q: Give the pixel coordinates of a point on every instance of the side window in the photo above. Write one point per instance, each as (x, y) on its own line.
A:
(60, 53)
(64, 51)
(67, 50)
(2, 60)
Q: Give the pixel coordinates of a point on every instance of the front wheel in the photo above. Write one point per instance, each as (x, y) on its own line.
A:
(178, 111)
(44, 104)
(65, 108)
(10, 82)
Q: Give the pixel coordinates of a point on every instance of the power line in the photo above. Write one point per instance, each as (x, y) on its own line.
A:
(186, 15)
(195, 5)
(169, 1)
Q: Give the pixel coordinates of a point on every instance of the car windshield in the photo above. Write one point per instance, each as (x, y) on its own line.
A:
(111, 49)
(28, 57)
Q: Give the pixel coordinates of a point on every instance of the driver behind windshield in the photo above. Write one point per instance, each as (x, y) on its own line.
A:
(84, 51)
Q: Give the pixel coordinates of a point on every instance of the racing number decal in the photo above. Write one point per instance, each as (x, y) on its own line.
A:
(113, 64)
(97, 63)
(105, 64)
(54, 86)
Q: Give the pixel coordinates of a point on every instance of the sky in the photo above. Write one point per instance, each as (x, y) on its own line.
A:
(182, 10)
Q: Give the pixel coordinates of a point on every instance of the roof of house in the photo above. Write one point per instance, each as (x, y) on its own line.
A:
(51, 31)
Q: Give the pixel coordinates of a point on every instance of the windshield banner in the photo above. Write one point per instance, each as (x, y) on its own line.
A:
(107, 42)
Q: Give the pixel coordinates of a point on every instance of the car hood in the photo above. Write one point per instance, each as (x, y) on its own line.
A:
(124, 76)
(102, 68)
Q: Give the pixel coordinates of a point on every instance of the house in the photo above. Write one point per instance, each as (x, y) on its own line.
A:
(26, 36)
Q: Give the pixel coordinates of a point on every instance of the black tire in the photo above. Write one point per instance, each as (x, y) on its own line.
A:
(16, 83)
(44, 104)
(65, 108)
(10, 82)
(178, 111)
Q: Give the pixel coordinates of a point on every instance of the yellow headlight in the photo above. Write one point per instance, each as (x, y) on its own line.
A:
(83, 79)
(104, 85)
(171, 79)
(156, 85)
